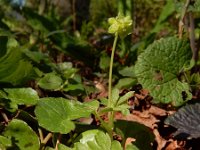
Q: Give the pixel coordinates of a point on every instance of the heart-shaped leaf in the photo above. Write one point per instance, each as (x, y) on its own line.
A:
(159, 66)
(55, 114)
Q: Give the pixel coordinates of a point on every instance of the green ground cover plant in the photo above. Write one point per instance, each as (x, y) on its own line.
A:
(64, 82)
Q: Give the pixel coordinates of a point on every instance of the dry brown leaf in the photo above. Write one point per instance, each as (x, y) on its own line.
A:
(160, 141)
(140, 117)
(157, 111)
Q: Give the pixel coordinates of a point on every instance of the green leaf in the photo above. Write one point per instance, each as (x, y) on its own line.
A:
(55, 114)
(123, 108)
(158, 67)
(116, 145)
(19, 96)
(11, 97)
(49, 148)
(35, 56)
(73, 87)
(131, 147)
(104, 62)
(125, 97)
(197, 6)
(63, 147)
(50, 81)
(166, 12)
(66, 68)
(96, 140)
(5, 143)
(21, 136)
(141, 133)
(14, 68)
(115, 96)
(126, 83)
(127, 71)
(105, 110)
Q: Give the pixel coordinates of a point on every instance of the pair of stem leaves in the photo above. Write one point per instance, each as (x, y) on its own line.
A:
(118, 103)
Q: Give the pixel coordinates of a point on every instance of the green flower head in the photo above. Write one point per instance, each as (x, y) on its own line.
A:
(120, 25)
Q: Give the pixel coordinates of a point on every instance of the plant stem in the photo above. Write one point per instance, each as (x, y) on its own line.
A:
(110, 114)
(104, 125)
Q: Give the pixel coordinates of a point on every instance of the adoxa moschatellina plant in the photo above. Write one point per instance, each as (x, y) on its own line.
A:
(121, 26)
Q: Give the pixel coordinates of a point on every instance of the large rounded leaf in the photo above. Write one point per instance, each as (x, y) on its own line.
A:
(159, 66)
(21, 135)
(55, 114)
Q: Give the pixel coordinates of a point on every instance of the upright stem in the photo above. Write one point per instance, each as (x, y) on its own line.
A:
(110, 71)
(110, 102)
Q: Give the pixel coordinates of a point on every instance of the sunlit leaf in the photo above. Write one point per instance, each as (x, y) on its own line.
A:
(159, 66)
(115, 96)
(126, 83)
(125, 97)
(5, 143)
(55, 114)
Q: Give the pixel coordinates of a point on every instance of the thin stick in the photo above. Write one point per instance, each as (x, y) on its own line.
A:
(41, 135)
(5, 117)
(181, 21)
(58, 141)
(192, 38)
(47, 138)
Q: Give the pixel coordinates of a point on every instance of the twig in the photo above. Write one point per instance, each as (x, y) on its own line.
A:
(192, 37)
(47, 138)
(181, 21)
(41, 135)
(5, 117)
(58, 141)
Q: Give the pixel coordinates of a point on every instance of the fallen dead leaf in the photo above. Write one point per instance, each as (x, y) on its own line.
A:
(157, 111)
(160, 141)
(140, 117)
